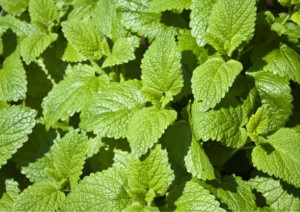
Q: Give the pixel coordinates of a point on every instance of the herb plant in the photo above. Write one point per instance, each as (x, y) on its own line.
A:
(149, 105)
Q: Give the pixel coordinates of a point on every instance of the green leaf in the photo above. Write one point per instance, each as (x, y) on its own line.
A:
(121, 158)
(180, 134)
(159, 6)
(195, 198)
(94, 145)
(258, 123)
(285, 62)
(34, 45)
(296, 17)
(69, 156)
(43, 13)
(38, 144)
(108, 20)
(9, 197)
(138, 207)
(146, 127)
(86, 38)
(231, 23)
(122, 52)
(286, 3)
(16, 123)
(21, 28)
(198, 164)
(234, 192)
(1, 45)
(44, 196)
(16, 7)
(71, 94)
(278, 195)
(82, 9)
(201, 10)
(150, 175)
(161, 70)
(137, 17)
(72, 55)
(36, 172)
(280, 156)
(188, 43)
(12, 79)
(276, 98)
(112, 109)
(224, 125)
(212, 80)
(102, 191)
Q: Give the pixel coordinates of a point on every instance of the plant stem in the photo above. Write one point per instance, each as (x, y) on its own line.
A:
(287, 17)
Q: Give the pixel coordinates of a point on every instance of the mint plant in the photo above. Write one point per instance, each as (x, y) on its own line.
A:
(149, 105)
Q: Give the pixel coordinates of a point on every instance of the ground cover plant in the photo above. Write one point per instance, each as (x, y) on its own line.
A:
(149, 105)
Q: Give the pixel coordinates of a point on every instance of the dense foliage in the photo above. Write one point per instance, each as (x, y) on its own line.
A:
(149, 105)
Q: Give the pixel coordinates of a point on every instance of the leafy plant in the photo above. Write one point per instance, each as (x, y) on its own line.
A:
(149, 105)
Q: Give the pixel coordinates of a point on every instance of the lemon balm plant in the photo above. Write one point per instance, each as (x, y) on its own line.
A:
(149, 105)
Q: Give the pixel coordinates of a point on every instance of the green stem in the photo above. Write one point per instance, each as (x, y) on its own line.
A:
(230, 156)
(248, 147)
(287, 17)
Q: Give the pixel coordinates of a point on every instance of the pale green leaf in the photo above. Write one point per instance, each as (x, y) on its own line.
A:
(278, 195)
(34, 45)
(276, 98)
(212, 80)
(234, 192)
(198, 164)
(112, 109)
(43, 13)
(102, 191)
(12, 79)
(201, 10)
(161, 70)
(86, 38)
(196, 198)
(15, 7)
(16, 122)
(71, 94)
(231, 22)
(122, 52)
(44, 196)
(137, 17)
(9, 197)
(280, 156)
(284, 62)
(159, 6)
(147, 126)
(153, 173)
(224, 125)
(69, 156)
(108, 20)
